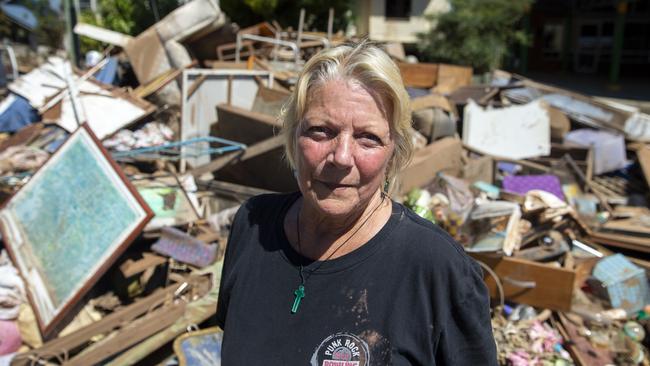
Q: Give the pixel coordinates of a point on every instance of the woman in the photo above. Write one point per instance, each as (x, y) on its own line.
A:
(338, 274)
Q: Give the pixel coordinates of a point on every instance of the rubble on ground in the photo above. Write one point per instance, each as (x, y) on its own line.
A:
(546, 188)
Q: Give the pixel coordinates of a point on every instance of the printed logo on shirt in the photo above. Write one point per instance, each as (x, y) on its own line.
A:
(341, 349)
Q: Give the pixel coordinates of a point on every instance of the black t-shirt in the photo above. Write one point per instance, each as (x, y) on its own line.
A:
(409, 296)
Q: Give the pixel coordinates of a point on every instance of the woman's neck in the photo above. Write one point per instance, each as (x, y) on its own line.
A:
(324, 237)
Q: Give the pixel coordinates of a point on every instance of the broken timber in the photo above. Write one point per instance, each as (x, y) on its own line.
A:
(67, 344)
(250, 152)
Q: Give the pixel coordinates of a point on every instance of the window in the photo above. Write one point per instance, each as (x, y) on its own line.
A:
(553, 40)
(400, 9)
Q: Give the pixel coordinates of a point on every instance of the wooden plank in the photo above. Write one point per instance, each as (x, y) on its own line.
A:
(232, 65)
(452, 77)
(269, 101)
(444, 155)
(250, 152)
(102, 34)
(148, 56)
(420, 75)
(198, 311)
(131, 334)
(643, 154)
(234, 189)
(195, 85)
(279, 73)
(433, 101)
(72, 341)
(132, 267)
(640, 244)
(630, 226)
(268, 170)
(552, 287)
(144, 90)
(526, 163)
(478, 93)
(23, 137)
(244, 126)
(479, 169)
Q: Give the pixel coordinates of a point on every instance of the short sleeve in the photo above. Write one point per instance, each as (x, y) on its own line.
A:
(466, 336)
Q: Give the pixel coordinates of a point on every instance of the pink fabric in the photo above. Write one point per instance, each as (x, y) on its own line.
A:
(10, 339)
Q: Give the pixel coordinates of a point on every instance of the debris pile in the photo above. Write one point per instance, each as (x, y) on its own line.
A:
(548, 190)
(117, 199)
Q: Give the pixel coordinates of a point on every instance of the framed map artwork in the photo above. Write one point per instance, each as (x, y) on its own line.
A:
(68, 224)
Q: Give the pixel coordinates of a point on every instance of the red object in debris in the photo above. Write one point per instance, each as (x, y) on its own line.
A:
(10, 339)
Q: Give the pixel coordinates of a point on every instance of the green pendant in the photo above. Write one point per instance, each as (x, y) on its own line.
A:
(299, 293)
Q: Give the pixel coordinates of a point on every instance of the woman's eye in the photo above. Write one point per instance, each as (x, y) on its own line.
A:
(368, 137)
(318, 132)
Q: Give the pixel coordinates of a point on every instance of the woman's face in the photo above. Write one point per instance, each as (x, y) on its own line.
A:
(344, 145)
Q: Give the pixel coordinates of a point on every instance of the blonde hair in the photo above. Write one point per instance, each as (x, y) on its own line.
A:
(372, 68)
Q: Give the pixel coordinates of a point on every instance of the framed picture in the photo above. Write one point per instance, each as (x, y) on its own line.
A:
(68, 224)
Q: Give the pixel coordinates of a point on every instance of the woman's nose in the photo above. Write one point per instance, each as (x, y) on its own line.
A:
(342, 154)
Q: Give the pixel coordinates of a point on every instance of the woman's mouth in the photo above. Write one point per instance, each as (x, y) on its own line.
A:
(336, 186)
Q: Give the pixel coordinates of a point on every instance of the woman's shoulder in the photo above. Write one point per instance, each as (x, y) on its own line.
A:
(261, 211)
(422, 232)
(431, 250)
(426, 242)
(267, 200)
(267, 204)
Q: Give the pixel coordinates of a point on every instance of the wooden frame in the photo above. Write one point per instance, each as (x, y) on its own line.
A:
(46, 90)
(115, 321)
(68, 225)
(531, 283)
(181, 353)
(202, 90)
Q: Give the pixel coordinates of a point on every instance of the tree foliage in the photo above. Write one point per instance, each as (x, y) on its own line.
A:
(51, 27)
(124, 16)
(477, 33)
(287, 12)
(49, 31)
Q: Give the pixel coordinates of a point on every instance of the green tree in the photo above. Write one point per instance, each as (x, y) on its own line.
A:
(124, 16)
(477, 33)
(287, 12)
(48, 32)
(51, 26)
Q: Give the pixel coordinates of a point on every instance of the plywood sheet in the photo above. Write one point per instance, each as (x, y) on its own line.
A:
(452, 77)
(444, 155)
(266, 171)
(517, 132)
(552, 287)
(420, 75)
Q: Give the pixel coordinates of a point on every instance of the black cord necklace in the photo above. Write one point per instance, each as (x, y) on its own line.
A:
(299, 293)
